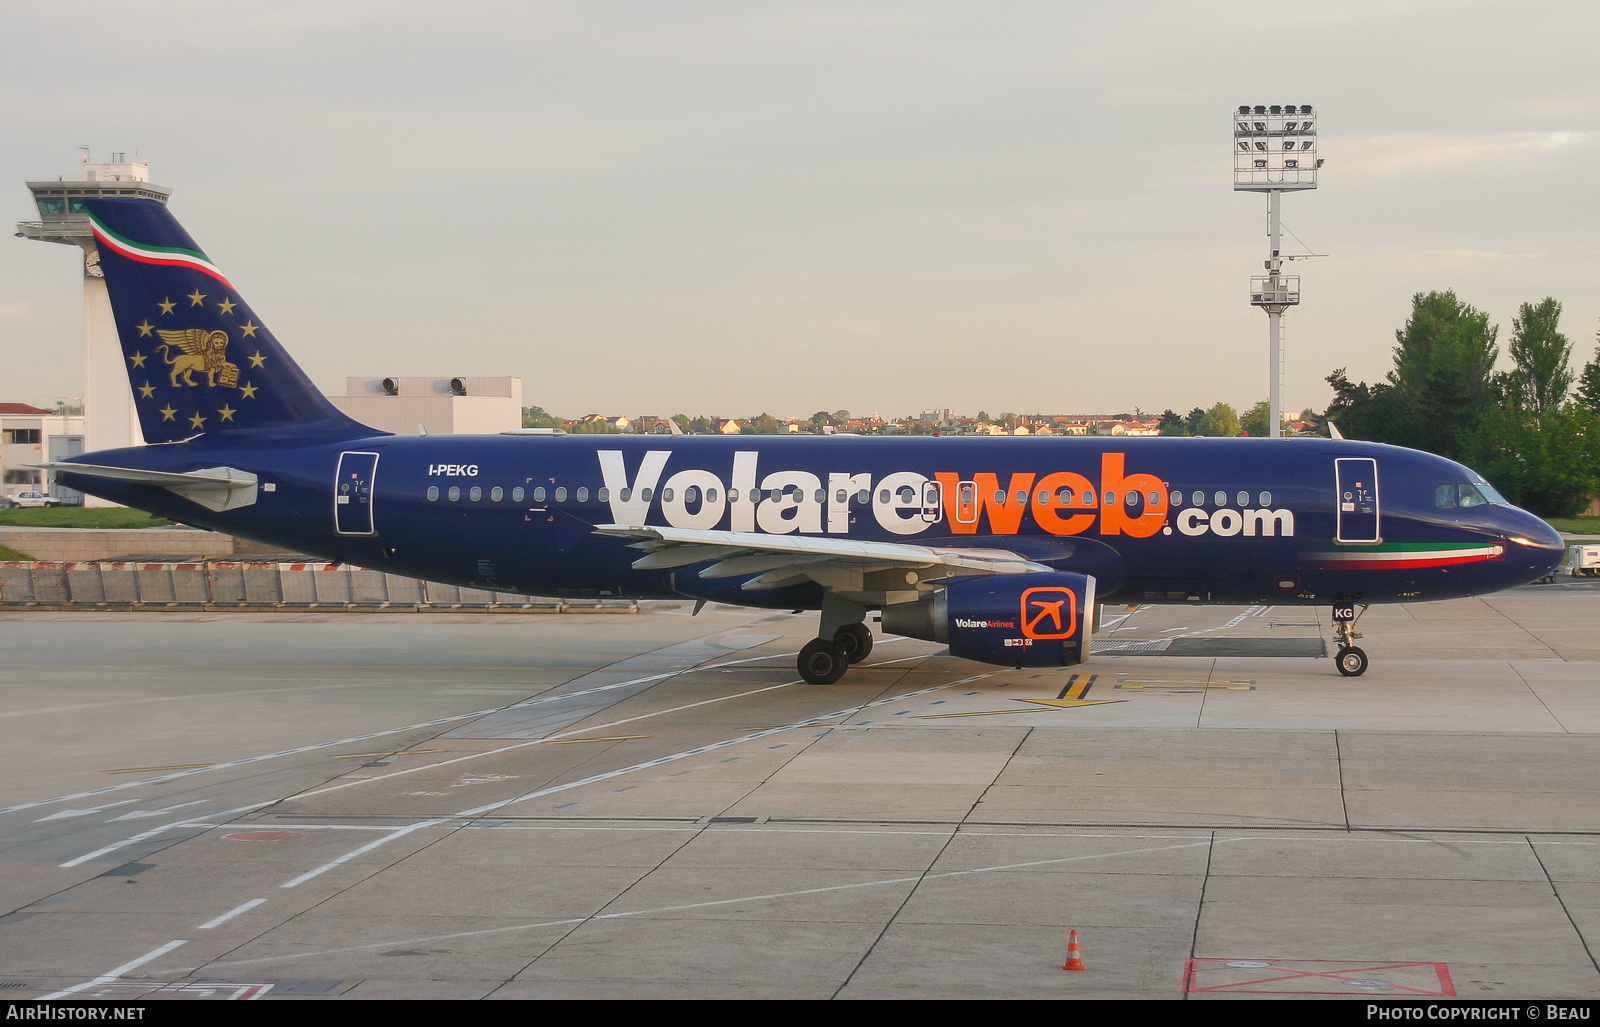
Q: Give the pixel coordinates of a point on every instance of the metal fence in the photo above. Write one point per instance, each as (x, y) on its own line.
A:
(247, 585)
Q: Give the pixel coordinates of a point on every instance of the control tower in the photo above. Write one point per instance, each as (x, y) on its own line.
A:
(110, 421)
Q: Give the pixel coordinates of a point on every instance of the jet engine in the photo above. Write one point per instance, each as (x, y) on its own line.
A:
(1018, 620)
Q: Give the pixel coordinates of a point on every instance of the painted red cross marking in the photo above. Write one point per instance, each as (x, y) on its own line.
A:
(1287, 973)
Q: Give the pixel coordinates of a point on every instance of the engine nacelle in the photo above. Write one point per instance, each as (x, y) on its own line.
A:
(1014, 620)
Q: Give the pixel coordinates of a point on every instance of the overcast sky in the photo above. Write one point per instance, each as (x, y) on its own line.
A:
(725, 208)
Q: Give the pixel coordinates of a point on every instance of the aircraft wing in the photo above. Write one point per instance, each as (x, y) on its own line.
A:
(862, 570)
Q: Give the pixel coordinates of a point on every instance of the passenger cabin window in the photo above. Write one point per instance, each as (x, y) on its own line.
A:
(476, 494)
(497, 493)
(455, 493)
(604, 495)
(561, 494)
(1198, 499)
(433, 493)
(583, 495)
(1221, 498)
(517, 494)
(1176, 499)
(1265, 498)
(538, 495)
(863, 497)
(1243, 499)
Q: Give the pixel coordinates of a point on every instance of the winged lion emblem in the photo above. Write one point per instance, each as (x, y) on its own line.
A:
(202, 351)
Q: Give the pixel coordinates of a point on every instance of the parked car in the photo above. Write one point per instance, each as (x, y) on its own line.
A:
(33, 499)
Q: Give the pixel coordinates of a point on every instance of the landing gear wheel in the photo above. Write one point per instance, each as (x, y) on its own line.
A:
(1352, 662)
(822, 662)
(855, 640)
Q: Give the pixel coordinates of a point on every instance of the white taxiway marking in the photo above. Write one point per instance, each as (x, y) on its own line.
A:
(534, 701)
(609, 775)
(145, 814)
(230, 914)
(107, 978)
(143, 835)
(912, 879)
(380, 777)
(68, 814)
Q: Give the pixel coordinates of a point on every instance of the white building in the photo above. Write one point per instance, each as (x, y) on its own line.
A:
(28, 436)
(435, 406)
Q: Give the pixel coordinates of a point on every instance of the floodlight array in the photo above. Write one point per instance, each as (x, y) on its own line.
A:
(1275, 147)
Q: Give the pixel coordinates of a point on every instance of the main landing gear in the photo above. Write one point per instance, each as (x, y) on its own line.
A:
(1351, 661)
(824, 660)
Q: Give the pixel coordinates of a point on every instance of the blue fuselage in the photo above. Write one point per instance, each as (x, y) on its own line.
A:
(1154, 520)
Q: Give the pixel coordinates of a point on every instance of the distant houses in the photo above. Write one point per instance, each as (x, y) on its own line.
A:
(930, 422)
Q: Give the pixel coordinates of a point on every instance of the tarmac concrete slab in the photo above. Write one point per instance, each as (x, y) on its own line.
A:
(927, 827)
(732, 958)
(994, 961)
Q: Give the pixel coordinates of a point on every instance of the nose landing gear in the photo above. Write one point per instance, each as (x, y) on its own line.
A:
(1351, 661)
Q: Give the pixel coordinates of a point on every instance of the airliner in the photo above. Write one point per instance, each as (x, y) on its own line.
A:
(1000, 548)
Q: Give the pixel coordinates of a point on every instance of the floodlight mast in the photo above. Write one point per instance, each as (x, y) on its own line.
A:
(1274, 152)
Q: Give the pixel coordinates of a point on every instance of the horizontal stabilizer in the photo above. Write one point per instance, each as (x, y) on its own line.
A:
(215, 488)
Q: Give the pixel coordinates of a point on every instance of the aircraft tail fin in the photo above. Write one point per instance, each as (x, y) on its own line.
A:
(198, 359)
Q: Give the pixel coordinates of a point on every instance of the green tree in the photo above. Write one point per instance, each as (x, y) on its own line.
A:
(1589, 382)
(1221, 421)
(1444, 337)
(1442, 379)
(983, 417)
(765, 424)
(1543, 356)
(1548, 463)
(683, 422)
(1257, 421)
(1172, 423)
(1193, 420)
(538, 417)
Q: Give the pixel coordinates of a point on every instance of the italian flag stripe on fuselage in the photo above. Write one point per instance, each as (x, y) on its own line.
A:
(170, 256)
(1402, 556)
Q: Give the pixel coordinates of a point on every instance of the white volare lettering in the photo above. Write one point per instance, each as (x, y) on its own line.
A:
(898, 503)
(636, 506)
(839, 510)
(742, 514)
(787, 510)
(675, 499)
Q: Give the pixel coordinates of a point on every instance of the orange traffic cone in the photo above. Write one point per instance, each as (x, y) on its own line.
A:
(1074, 960)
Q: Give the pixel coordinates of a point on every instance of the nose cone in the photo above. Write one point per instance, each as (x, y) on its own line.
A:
(1531, 542)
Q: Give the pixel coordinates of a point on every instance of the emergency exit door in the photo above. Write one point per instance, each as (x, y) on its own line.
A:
(1357, 499)
(352, 493)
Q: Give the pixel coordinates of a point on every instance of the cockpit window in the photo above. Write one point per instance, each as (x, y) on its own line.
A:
(1465, 497)
(1493, 495)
